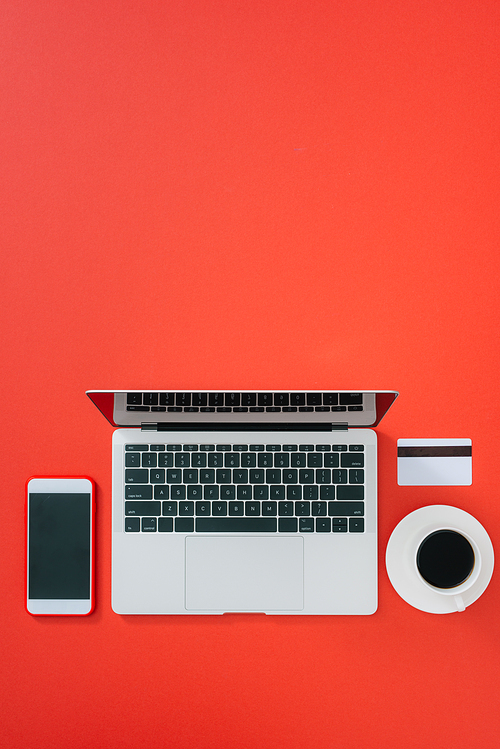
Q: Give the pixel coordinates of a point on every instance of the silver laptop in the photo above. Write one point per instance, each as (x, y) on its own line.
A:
(256, 501)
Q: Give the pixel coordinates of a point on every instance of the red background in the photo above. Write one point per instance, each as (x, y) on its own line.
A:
(248, 195)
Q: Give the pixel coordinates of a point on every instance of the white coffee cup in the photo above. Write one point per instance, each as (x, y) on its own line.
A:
(448, 561)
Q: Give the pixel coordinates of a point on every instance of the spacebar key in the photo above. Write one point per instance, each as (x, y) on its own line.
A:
(236, 525)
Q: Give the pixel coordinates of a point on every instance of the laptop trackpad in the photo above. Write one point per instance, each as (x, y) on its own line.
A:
(244, 574)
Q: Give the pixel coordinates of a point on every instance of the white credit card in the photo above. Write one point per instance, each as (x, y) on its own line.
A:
(434, 462)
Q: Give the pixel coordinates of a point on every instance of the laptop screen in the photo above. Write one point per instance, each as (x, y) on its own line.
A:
(242, 409)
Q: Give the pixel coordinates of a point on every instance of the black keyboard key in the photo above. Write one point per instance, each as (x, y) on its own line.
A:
(198, 460)
(184, 525)
(297, 460)
(352, 460)
(252, 508)
(339, 476)
(248, 460)
(169, 508)
(157, 476)
(194, 491)
(215, 460)
(186, 508)
(216, 399)
(136, 448)
(167, 399)
(281, 399)
(183, 399)
(228, 492)
(290, 476)
(265, 399)
(323, 525)
(347, 509)
(256, 476)
(219, 509)
(165, 525)
(207, 476)
(261, 492)
(309, 492)
(269, 508)
(327, 492)
(323, 476)
(162, 491)
(297, 399)
(282, 460)
(133, 460)
(134, 399)
(356, 448)
(203, 508)
(302, 508)
(150, 399)
(314, 460)
(132, 525)
(149, 460)
(276, 492)
(137, 408)
(223, 475)
(339, 525)
(232, 399)
(314, 399)
(136, 476)
(178, 492)
(148, 525)
(165, 460)
(232, 460)
(139, 492)
(273, 476)
(306, 525)
(236, 525)
(236, 508)
(330, 399)
(319, 509)
(293, 492)
(356, 476)
(265, 460)
(286, 508)
(350, 492)
(138, 507)
(248, 399)
(356, 525)
(331, 460)
(244, 492)
(350, 399)
(199, 399)
(211, 492)
(287, 525)
(182, 460)
(306, 476)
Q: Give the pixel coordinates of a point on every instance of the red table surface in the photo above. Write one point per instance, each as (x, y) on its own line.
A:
(249, 195)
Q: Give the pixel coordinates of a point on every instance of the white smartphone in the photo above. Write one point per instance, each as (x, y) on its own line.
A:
(60, 545)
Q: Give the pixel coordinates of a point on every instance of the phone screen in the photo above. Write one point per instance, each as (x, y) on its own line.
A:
(59, 546)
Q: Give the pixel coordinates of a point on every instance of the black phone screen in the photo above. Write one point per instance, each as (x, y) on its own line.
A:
(59, 546)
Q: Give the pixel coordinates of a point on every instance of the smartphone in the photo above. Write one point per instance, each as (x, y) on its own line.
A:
(60, 545)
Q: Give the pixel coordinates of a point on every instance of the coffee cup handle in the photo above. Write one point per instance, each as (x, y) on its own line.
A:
(459, 603)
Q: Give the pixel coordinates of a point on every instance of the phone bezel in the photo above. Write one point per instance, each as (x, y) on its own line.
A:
(61, 485)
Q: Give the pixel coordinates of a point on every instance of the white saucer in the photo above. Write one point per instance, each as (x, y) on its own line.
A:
(402, 549)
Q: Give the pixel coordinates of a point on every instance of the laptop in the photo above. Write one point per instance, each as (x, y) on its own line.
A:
(226, 502)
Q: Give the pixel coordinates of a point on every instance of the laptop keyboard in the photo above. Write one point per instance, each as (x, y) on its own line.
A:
(235, 488)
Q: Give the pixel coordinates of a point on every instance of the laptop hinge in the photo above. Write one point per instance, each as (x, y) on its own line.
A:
(165, 426)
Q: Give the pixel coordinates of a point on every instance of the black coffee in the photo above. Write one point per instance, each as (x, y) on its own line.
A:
(445, 559)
